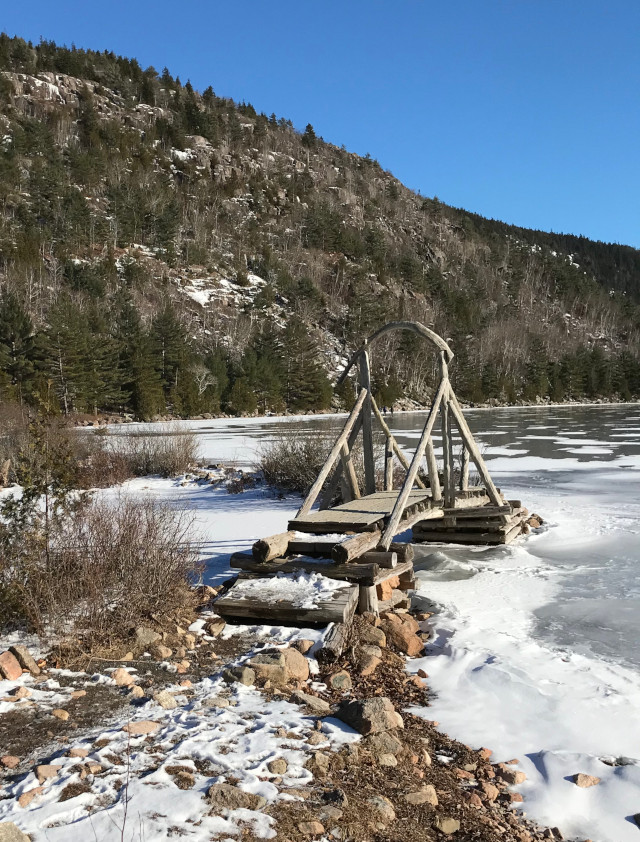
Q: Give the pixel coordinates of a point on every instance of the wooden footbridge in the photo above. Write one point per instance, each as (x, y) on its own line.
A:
(349, 535)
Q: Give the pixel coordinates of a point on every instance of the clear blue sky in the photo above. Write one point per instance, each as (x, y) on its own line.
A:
(521, 110)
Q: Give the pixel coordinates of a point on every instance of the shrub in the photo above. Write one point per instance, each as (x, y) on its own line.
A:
(292, 461)
(104, 568)
(167, 450)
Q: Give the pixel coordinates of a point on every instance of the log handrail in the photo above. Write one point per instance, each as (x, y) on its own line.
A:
(333, 455)
(403, 496)
(415, 327)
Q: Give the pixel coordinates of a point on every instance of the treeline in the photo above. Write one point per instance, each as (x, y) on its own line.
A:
(84, 362)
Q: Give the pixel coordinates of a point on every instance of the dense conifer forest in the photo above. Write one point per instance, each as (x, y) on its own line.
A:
(169, 251)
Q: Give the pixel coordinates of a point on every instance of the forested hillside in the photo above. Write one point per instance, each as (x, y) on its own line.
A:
(164, 250)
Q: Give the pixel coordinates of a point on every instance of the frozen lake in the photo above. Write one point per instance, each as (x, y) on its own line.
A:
(536, 649)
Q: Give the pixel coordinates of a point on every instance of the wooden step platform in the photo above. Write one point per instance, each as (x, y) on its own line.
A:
(248, 600)
(483, 525)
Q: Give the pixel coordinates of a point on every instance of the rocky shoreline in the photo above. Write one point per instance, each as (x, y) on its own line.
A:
(402, 779)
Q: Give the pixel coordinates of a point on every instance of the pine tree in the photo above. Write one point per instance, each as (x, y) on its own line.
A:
(16, 348)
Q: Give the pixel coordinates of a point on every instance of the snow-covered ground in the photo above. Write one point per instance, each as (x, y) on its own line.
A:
(536, 650)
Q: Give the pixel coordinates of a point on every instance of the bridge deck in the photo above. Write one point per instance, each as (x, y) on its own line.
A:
(360, 515)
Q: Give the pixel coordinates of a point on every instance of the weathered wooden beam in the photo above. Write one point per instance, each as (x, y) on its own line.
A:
(367, 427)
(388, 465)
(384, 559)
(447, 442)
(473, 449)
(333, 455)
(326, 498)
(275, 545)
(368, 600)
(343, 572)
(398, 510)
(464, 469)
(432, 467)
(349, 471)
(333, 644)
(405, 552)
(396, 447)
(355, 546)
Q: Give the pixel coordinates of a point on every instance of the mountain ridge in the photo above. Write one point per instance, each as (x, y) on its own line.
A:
(164, 250)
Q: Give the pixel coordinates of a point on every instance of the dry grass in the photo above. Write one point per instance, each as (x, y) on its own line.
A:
(292, 461)
(106, 567)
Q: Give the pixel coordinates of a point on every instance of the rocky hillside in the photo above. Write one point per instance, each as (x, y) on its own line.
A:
(165, 250)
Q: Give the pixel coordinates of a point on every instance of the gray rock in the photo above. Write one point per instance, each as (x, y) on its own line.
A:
(25, 659)
(426, 795)
(373, 636)
(370, 716)
(270, 666)
(243, 675)
(383, 743)
(9, 832)
(341, 681)
(446, 824)
(387, 760)
(383, 807)
(228, 797)
(165, 700)
(312, 702)
(146, 637)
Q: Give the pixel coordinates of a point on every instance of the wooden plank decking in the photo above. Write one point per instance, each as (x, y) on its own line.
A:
(339, 608)
(362, 515)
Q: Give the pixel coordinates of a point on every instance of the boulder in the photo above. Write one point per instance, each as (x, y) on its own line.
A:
(447, 825)
(385, 589)
(61, 714)
(10, 668)
(228, 797)
(25, 659)
(512, 776)
(165, 700)
(146, 637)
(27, 797)
(241, 675)
(585, 781)
(215, 626)
(20, 692)
(340, 681)
(401, 620)
(322, 761)
(162, 653)
(315, 704)
(10, 832)
(9, 761)
(296, 665)
(491, 791)
(78, 752)
(46, 771)
(370, 716)
(136, 692)
(383, 807)
(141, 727)
(426, 795)
(278, 766)
(123, 677)
(383, 743)
(271, 666)
(387, 760)
(302, 645)
(311, 828)
(372, 635)
(402, 637)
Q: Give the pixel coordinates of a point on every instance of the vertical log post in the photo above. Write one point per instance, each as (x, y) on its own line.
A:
(329, 491)
(367, 427)
(349, 472)
(388, 464)
(447, 444)
(368, 600)
(432, 466)
(464, 469)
